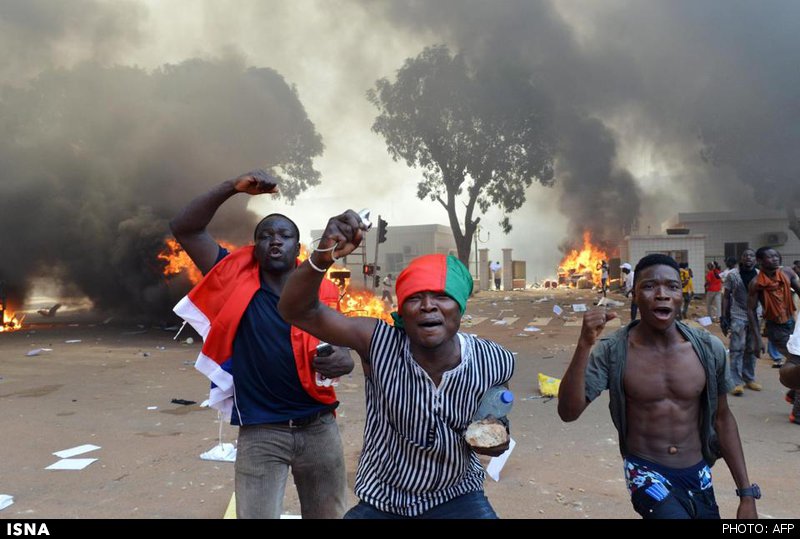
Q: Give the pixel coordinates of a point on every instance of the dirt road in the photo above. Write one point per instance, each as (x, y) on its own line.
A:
(98, 391)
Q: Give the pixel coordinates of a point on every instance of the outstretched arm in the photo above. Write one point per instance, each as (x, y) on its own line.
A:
(572, 390)
(189, 227)
(731, 446)
(300, 305)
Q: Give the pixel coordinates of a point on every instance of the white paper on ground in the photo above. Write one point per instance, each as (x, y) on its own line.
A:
(532, 328)
(72, 341)
(497, 463)
(5, 501)
(579, 307)
(70, 464)
(610, 302)
(152, 407)
(220, 452)
(705, 321)
(78, 450)
(558, 310)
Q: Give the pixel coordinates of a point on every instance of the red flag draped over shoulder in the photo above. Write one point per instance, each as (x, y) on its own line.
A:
(214, 308)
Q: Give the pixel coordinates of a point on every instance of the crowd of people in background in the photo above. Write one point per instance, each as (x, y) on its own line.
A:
(272, 332)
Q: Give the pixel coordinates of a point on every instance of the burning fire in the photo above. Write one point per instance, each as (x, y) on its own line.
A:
(364, 303)
(352, 302)
(583, 263)
(10, 322)
(176, 260)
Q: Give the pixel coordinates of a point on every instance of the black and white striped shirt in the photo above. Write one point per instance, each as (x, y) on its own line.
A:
(415, 456)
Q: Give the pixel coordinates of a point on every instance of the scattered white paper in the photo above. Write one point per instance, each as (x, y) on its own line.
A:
(579, 308)
(558, 310)
(500, 323)
(496, 464)
(72, 341)
(152, 407)
(78, 450)
(610, 302)
(220, 452)
(5, 501)
(532, 328)
(70, 464)
(34, 352)
(705, 321)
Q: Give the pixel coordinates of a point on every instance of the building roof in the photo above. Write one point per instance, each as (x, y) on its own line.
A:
(757, 214)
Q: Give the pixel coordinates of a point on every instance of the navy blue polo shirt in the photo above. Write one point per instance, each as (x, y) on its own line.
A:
(266, 384)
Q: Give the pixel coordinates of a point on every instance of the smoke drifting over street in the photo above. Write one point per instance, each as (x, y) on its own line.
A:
(114, 114)
(97, 159)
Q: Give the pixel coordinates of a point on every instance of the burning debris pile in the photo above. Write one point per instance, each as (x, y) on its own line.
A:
(10, 321)
(581, 268)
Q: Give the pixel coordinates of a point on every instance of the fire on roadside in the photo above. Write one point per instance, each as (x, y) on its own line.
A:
(352, 301)
(177, 261)
(582, 265)
(11, 322)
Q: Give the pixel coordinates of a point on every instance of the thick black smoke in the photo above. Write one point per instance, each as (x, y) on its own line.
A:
(95, 160)
(701, 95)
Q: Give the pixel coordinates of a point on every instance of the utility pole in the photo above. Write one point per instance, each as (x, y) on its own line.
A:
(380, 238)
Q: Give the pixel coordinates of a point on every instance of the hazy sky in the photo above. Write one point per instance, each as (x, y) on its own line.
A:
(633, 84)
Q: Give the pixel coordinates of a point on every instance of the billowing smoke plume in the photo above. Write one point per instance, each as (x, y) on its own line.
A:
(699, 96)
(596, 196)
(95, 160)
(40, 34)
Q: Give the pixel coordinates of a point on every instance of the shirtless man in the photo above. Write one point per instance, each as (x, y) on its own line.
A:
(668, 385)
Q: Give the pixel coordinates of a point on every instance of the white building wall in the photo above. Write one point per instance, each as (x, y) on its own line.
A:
(738, 227)
(639, 246)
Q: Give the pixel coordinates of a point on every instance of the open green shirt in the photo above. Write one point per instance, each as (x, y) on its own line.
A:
(606, 369)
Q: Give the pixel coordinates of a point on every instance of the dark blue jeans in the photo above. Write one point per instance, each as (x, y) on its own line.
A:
(470, 505)
(679, 504)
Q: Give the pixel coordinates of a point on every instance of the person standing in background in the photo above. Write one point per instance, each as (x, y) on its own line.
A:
(495, 268)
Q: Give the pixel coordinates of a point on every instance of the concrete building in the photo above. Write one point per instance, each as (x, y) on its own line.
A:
(702, 237)
(730, 233)
(403, 244)
(689, 248)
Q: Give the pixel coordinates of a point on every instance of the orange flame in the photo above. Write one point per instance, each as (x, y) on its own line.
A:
(303, 253)
(364, 303)
(10, 322)
(583, 263)
(352, 302)
(176, 260)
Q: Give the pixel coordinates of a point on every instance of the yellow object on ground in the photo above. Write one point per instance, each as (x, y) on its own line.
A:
(548, 386)
(230, 512)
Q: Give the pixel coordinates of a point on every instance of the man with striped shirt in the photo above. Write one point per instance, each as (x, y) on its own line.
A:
(424, 381)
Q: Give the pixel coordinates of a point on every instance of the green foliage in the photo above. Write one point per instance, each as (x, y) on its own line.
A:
(486, 134)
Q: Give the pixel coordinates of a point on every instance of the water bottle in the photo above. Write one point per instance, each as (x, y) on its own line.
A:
(497, 402)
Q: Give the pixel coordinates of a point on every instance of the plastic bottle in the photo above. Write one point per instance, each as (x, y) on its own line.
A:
(497, 402)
